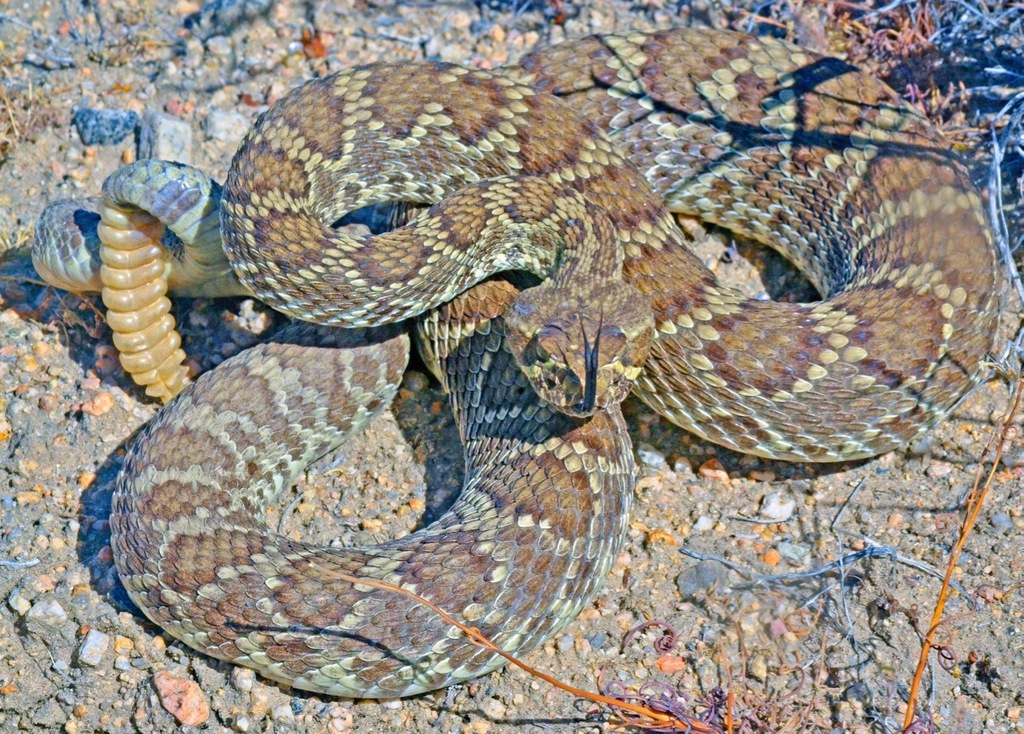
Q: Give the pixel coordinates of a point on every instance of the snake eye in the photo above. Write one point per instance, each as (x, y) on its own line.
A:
(613, 344)
(551, 340)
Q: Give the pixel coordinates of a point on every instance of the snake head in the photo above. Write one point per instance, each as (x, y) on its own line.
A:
(582, 351)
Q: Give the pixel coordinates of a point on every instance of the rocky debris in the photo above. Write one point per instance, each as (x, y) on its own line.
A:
(181, 697)
(95, 643)
(165, 138)
(104, 127)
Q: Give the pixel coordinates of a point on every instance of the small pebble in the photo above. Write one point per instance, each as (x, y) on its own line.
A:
(1002, 521)
(165, 138)
(794, 552)
(95, 643)
(564, 643)
(702, 578)
(494, 709)
(18, 603)
(758, 667)
(777, 507)
(712, 469)
(123, 645)
(99, 404)
(651, 457)
(242, 679)
(48, 611)
(341, 721)
(936, 470)
(703, 523)
(103, 127)
(225, 126)
(220, 48)
(282, 713)
(181, 698)
(670, 664)
(1012, 459)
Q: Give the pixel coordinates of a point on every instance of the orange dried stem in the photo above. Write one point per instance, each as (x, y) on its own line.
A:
(656, 718)
(974, 504)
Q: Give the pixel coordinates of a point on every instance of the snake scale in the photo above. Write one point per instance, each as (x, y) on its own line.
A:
(571, 166)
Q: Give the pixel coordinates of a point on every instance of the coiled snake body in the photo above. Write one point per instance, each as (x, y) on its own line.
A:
(770, 141)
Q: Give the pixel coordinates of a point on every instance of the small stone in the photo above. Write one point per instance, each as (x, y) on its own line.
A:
(777, 507)
(18, 603)
(181, 698)
(703, 523)
(341, 721)
(28, 497)
(259, 703)
(494, 709)
(225, 126)
(794, 552)
(771, 557)
(242, 723)
(90, 652)
(670, 664)
(103, 127)
(937, 470)
(282, 713)
(758, 667)
(243, 679)
(123, 645)
(1002, 521)
(701, 578)
(712, 469)
(651, 457)
(1013, 459)
(48, 611)
(372, 525)
(564, 643)
(659, 536)
(220, 47)
(98, 404)
(165, 138)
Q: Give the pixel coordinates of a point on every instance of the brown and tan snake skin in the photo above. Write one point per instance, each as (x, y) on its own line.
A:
(548, 167)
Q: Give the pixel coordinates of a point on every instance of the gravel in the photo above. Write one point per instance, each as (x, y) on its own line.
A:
(193, 76)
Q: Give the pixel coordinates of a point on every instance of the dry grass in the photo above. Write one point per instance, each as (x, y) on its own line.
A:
(23, 111)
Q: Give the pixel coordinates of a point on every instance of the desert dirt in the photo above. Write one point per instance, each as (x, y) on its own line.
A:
(833, 649)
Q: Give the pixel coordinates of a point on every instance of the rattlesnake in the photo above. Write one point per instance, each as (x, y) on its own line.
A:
(768, 140)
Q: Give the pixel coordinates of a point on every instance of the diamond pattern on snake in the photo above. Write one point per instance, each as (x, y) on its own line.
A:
(570, 166)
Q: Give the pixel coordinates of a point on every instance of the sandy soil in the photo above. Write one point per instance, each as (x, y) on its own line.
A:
(824, 652)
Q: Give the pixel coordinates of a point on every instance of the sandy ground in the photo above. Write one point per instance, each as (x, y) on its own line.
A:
(825, 652)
